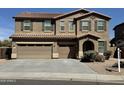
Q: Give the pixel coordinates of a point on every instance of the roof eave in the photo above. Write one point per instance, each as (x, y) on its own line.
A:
(31, 18)
(91, 13)
(71, 13)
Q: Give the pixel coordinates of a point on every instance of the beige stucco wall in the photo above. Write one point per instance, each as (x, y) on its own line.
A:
(103, 35)
(66, 29)
(37, 28)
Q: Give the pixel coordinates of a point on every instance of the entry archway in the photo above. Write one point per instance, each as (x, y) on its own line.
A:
(88, 45)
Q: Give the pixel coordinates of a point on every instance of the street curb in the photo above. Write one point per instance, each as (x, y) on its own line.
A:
(62, 76)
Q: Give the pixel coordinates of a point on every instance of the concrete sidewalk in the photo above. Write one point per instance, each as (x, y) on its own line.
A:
(118, 79)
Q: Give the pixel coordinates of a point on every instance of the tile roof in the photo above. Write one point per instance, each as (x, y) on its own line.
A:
(58, 15)
(93, 13)
(41, 36)
(36, 15)
(72, 12)
(50, 36)
(88, 35)
(46, 15)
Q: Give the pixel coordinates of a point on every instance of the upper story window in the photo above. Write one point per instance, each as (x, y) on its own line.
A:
(47, 25)
(62, 26)
(100, 25)
(27, 25)
(71, 26)
(85, 25)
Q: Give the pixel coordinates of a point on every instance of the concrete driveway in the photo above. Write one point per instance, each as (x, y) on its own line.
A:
(46, 65)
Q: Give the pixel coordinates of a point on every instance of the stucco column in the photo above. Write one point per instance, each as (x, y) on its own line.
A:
(95, 45)
(80, 52)
(55, 50)
(14, 51)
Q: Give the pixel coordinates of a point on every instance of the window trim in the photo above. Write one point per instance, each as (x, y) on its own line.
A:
(73, 26)
(102, 47)
(23, 26)
(44, 28)
(63, 26)
(104, 26)
(82, 28)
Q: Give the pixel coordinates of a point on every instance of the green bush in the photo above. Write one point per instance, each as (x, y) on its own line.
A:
(100, 58)
(107, 54)
(89, 56)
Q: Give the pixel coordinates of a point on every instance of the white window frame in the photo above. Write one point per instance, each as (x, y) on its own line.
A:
(71, 26)
(103, 47)
(103, 25)
(88, 25)
(47, 25)
(28, 24)
(62, 24)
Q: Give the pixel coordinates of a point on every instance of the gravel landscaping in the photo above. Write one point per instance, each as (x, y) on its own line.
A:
(105, 67)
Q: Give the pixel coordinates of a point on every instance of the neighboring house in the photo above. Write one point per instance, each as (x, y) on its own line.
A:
(118, 40)
(119, 35)
(52, 35)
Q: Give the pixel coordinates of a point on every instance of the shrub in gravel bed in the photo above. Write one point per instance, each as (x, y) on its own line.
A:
(89, 56)
(107, 54)
(100, 58)
(116, 64)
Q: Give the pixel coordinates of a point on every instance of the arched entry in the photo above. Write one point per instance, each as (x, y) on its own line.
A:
(88, 45)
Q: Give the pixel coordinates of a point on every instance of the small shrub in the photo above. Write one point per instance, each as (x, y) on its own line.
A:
(100, 58)
(121, 64)
(89, 56)
(107, 54)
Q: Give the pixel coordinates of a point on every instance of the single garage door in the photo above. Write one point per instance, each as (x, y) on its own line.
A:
(67, 51)
(34, 51)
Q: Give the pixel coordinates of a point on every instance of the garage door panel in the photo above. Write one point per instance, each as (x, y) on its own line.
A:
(37, 52)
(67, 51)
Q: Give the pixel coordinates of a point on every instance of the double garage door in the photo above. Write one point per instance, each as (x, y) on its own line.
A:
(34, 51)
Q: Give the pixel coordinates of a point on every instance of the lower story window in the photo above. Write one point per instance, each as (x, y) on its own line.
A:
(102, 46)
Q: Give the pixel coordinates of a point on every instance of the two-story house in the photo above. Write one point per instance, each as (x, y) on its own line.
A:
(52, 35)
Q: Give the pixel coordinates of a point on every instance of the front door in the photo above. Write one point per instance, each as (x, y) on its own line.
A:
(88, 45)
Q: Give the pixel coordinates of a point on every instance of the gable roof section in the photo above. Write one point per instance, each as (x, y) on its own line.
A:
(94, 13)
(71, 13)
(89, 36)
(36, 15)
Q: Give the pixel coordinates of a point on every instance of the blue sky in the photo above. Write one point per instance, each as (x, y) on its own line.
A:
(7, 23)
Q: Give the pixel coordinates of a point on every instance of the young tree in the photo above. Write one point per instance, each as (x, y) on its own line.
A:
(6, 43)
